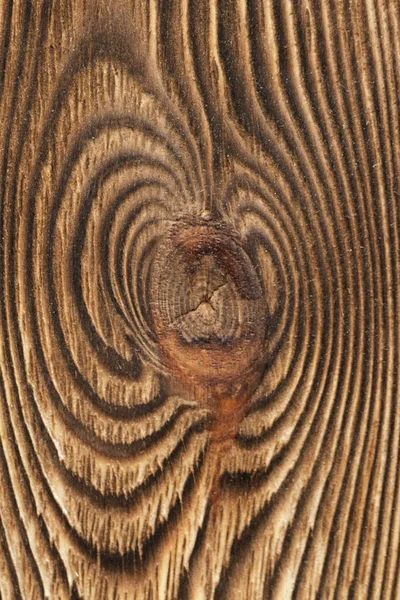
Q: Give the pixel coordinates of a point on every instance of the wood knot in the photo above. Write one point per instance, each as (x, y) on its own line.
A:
(208, 310)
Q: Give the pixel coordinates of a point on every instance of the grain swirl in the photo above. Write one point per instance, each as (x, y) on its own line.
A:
(199, 255)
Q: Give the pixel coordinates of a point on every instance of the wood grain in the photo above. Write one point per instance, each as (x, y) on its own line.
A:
(199, 251)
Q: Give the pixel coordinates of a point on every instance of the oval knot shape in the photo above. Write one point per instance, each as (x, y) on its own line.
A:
(208, 308)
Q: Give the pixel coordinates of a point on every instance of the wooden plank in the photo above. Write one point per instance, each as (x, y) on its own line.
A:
(199, 256)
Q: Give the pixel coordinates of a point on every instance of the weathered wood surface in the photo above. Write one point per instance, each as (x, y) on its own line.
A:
(199, 308)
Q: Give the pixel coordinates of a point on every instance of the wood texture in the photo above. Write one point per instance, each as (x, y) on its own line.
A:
(199, 252)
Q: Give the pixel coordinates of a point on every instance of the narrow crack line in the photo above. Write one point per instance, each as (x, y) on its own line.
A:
(204, 300)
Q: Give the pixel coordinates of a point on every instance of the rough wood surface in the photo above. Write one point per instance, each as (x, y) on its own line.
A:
(199, 250)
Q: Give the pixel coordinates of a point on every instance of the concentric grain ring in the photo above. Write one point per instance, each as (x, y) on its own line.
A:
(87, 252)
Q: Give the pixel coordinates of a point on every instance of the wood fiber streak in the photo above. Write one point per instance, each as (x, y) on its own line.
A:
(199, 250)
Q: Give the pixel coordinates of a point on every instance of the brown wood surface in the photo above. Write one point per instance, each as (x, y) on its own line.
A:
(199, 331)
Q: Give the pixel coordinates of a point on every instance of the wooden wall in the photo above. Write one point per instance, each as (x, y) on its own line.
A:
(199, 310)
